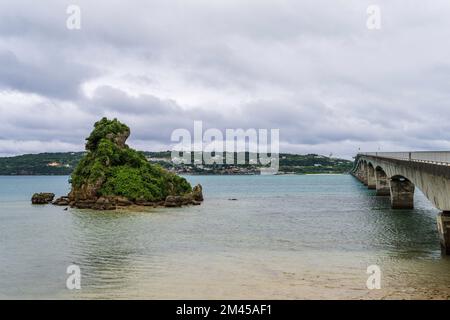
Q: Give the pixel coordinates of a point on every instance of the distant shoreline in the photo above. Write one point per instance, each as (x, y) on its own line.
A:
(192, 174)
(63, 163)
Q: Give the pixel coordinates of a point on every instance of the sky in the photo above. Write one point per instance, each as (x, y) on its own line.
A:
(312, 69)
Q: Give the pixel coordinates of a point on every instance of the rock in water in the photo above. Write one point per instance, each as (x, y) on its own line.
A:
(62, 201)
(173, 201)
(195, 197)
(42, 198)
(197, 193)
(113, 175)
(104, 203)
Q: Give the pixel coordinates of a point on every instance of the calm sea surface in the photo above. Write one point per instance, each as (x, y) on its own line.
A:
(293, 237)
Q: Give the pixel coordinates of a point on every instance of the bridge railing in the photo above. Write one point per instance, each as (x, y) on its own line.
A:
(435, 157)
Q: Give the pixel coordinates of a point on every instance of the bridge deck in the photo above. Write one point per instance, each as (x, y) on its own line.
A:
(434, 157)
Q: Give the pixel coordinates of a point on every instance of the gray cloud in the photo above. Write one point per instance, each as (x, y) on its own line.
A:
(49, 77)
(310, 68)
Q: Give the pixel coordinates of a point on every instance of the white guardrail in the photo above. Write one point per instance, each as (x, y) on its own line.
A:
(435, 157)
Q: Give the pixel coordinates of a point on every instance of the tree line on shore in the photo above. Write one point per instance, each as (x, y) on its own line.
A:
(63, 163)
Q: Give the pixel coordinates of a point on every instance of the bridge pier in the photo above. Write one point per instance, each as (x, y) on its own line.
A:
(443, 222)
(371, 182)
(402, 193)
(398, 173)
(382, 183)
(364, 174)
(358, 173)
(361, 175)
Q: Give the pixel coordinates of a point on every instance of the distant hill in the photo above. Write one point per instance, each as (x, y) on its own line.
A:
(63, 164)
(40, 164)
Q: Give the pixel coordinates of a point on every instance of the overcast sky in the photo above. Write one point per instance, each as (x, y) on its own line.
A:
(310, 68)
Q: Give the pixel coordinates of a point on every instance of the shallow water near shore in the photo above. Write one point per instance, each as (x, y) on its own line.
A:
(285, 237)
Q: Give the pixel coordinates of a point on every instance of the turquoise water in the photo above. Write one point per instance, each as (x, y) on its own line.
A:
(293, 237)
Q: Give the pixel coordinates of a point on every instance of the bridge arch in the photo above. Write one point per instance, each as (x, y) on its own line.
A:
(371, 182)
(382, 185)
(396, 183)
(433, 182)
(402, 192)
(398, 174)
(360, 170)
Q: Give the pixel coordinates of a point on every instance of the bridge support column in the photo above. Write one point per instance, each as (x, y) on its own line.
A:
(371, 182)
(361, 174)
(402, 193)
(382, 183)
(443, 222)
(364, 174)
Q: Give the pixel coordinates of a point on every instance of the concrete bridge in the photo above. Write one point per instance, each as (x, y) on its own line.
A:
(397, 174)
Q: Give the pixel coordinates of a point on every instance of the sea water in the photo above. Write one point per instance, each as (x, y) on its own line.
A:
(283, 237)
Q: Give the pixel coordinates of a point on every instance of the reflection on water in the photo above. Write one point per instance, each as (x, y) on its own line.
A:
(285, 237)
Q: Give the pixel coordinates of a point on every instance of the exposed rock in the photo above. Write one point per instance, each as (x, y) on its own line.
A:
(86, 191)
(61, 201)
(42, 198)
(119, 138)
(104, 203)
(122, 202)
(187, 199)
(197, 193)
(173, 201)
(194, 198)
(85, 204)
(145, 203)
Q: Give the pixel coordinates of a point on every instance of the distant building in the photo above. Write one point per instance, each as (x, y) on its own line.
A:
(54, 164)
(158, 159)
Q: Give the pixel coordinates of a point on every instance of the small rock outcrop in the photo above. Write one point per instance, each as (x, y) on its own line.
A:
(104, 203)
(62, 201)
(197, 193)
(113, 175)
(42, 198)
(194, 198)
(173, 201)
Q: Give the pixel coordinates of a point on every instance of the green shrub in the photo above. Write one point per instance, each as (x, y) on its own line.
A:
(121, 170)
(101, 129)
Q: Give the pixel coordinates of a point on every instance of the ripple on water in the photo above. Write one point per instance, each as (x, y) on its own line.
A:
(285, 237)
